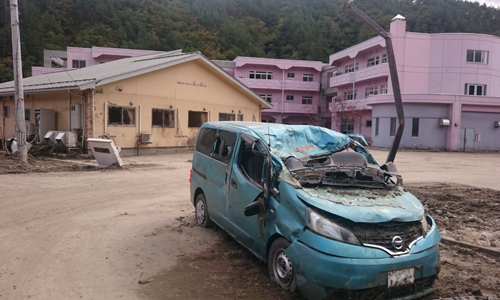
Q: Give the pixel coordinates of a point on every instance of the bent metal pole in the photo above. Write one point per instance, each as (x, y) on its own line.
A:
(18, 82)
(394, 76)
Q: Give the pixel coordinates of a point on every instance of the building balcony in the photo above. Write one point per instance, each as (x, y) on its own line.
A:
(276, 84)
(293, 108)
(368, 73)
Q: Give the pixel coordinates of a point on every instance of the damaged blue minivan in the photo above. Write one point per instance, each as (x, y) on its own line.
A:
(314, 204)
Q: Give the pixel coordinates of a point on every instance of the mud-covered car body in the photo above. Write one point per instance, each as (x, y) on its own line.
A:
(351, 229)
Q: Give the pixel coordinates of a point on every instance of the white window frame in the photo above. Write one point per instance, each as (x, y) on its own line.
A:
(290, 75)
(265, 75)
(227, 117)
(477, 56)
(383, 89)
(350, 68)
(372, 90)
(372, 61)
(167, 118)
(308, 77)
(307, 100)
(80, 63)
(347, 126)
(349, 95)
(289, 97)
(472, 89)
(267, 97)
(385, 59)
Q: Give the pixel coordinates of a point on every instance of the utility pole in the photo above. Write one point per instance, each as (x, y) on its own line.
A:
(18, 82)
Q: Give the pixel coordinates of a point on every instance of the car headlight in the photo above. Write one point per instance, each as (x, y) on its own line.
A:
(323, 226)
(425, 224)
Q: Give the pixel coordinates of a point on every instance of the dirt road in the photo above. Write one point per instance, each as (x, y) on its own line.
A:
(118, 234)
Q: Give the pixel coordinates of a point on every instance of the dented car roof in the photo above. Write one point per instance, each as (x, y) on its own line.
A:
(300, 141)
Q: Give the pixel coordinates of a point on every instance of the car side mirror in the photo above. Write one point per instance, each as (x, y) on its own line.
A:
(252, 209)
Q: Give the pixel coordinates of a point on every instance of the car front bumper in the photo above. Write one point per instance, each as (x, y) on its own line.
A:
(341, 267)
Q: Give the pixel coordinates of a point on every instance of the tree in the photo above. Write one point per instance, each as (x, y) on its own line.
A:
(346, 113)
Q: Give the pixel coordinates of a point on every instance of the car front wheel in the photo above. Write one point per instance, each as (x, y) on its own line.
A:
(279, 265)
(201, 212)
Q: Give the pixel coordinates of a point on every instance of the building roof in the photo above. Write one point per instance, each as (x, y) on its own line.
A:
(86, 78)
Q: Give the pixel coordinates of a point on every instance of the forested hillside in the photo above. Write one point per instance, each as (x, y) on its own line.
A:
(224, 29)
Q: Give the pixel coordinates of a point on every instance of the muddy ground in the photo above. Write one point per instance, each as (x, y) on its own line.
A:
(229, 271)
(127, 234)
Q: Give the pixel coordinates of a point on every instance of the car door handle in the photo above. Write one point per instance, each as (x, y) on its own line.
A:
(234, 184)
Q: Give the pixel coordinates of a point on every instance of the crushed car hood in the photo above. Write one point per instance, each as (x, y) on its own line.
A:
(367, 206)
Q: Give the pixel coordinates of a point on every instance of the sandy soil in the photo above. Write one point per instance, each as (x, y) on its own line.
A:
(128, 233)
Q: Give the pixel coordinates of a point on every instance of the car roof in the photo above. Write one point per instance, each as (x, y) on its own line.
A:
(300, 141)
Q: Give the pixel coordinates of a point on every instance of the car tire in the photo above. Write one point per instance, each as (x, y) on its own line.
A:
(279, 265)
(201, 212)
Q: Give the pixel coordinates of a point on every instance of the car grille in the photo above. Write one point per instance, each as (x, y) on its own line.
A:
(422, 285)
(382, 235)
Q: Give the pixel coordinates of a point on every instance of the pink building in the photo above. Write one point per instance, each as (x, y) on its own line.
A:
(449, 85)
(291, 86)
(76, 58)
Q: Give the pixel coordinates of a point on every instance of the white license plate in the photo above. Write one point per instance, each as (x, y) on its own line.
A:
(400, 277)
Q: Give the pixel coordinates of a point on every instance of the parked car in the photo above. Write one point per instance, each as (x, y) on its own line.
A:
(317, 207)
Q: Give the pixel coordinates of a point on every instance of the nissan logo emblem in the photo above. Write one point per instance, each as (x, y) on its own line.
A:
(397, 242)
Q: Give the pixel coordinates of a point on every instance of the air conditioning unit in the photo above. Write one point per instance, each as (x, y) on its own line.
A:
(49, 137)
(444, 122)
(146, 138)
(66, 138)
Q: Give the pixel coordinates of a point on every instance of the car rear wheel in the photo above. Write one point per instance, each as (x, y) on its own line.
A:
(280, 266)
(201, 212)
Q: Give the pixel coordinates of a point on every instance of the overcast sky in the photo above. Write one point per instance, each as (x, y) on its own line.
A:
(495, 3)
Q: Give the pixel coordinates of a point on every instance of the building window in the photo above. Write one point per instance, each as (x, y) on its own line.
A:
(77, 64)
(163, 118)
(373, 90)
(393, 127)
(121, 115)
(368, 123)
(289, 97)
(27, 114)
(384, 58)
(196, 118)
(261, 75)
(372, 61)
(268, 98)
(6, 111)
(308, 77)
(477, 56)
(350, 68)
(475, 89)
(290, 75)
(414, 127)
(376, 125)
(307, 100)
(226, 117)
(240, 117)
(347, 127)
(349, 95)
(383, 89)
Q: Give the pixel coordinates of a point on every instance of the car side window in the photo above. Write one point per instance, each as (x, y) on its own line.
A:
(250, 164)
(223, 146)
(206, 141)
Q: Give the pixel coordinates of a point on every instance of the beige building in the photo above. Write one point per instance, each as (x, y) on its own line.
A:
(145, 104)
